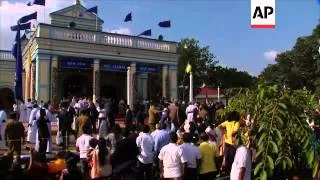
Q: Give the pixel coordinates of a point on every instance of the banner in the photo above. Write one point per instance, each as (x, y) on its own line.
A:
(118, 67)
(142, 68)
(75, 64)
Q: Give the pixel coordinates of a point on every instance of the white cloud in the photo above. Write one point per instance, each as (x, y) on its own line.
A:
(270, 55)
(122, 30)
(10, 12)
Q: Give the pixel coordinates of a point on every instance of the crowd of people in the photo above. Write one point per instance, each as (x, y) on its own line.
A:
(164, 140)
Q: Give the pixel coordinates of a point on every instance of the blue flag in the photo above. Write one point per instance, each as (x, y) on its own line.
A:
(40, 2)
(165, 24)
(128, 17)
(27, 18)
(37, 2)
(93, 10)
(21, 27)
(16, 52)
(146, 33)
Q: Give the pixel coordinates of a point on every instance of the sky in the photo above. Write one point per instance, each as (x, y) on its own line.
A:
(224, 25)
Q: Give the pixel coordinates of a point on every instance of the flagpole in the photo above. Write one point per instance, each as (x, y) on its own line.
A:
(218, 93)
(191, 88)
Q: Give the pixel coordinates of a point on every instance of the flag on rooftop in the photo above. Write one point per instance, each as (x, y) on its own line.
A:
(27, 18)
(145, 33)
(37, 2)
(128, 17)
(93, 10)
(165, 24)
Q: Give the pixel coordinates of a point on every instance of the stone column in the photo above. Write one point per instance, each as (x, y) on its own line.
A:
(27, 81)
(43, 80)
(164, 80)
(33, 80)
(191, 88)
(173, 81)
(54, 81)
(134, 83)
(96, 80)
(129, 88)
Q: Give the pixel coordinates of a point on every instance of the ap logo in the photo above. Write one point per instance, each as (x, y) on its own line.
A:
(263, 14)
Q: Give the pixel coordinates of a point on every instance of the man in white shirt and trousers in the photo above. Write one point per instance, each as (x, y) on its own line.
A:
(32, 127)
(145, 143)
(170, 159)
(22, 108)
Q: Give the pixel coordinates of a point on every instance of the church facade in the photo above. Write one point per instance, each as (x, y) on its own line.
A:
(72, 56)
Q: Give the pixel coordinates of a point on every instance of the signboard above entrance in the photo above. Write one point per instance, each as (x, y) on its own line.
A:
(118, 67)
(76, 64)
(142, 68)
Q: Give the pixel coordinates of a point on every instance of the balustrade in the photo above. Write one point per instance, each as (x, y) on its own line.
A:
(6, 55)
(110, 39)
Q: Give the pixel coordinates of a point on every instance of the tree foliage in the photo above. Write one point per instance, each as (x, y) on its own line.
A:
(299, 67)
(200, 58)
(205, 68)
(279, 130)
(230, 77)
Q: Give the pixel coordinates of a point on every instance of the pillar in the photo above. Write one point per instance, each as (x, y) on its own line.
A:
(134, 85)
(33, 80)
(96, 80)
(43, 80)
(191, 88)
(27, 91)
(54, 81)
(173, 82)
(164, 80)
(131, 85)
(129, 88)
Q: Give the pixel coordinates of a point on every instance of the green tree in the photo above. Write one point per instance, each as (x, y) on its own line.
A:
(279, 130)
(200, 58)
(230, 77)
(299, 67)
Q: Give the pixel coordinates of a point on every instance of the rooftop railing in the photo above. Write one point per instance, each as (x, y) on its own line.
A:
(6, 55)
(54, 32)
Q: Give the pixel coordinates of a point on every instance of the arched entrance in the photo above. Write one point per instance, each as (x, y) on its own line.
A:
(7, 98)
(77, 85)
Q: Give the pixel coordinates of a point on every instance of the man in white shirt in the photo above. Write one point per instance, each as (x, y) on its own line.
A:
(32, 128)
(29, 107)
(145, 143)
(190, 111)
(83, 146)
(190, 158)
(170, 159)
(241, 167)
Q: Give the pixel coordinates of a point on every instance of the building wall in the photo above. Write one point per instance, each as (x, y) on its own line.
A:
(7, 69)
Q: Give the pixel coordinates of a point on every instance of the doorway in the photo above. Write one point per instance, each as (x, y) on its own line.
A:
(77, 85)
(7, 98)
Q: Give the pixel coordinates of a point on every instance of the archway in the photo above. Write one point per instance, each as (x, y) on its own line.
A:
(76, 85)
(7, 98)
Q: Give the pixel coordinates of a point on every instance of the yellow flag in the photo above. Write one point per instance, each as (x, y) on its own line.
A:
(188, 68)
